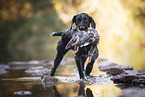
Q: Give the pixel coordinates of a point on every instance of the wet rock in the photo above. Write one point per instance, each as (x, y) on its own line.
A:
(101, 59)
(104, 66)
(4, 66)
(114, 71)
(124, 78)
(138, 82)
(132, 72)
(49, 81)
(38, 70)
(3, 71)
(142, 76)
(127, 68)
(132, 92)
(23, 93)
(132, 77)
(24, 63)
(122, 74)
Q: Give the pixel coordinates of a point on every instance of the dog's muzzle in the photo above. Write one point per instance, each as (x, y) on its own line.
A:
(81, 27)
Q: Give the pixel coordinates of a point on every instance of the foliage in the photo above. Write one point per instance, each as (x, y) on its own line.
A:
(27, 23)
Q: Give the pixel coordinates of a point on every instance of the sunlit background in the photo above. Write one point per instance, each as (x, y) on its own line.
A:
(25, 27)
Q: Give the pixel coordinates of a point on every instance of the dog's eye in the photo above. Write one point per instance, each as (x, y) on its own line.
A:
(78, 20)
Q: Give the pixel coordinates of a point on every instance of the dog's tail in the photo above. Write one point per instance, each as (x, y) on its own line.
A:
(56, 34)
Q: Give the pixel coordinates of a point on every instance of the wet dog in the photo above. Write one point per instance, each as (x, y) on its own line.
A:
(82, 22)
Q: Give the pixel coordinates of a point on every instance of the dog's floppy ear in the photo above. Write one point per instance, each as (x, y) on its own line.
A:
(93, 24)
(73, 20)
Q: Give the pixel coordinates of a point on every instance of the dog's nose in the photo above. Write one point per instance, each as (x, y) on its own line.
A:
(82, 27)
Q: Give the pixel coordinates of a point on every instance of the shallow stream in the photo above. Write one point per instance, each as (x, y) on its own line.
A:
(24, 79)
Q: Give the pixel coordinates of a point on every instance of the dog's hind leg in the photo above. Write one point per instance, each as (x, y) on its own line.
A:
(61, 51)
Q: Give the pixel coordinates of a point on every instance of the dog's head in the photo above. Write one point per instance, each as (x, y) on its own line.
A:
(83, 21)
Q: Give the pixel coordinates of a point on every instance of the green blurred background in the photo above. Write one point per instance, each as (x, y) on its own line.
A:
(26, 25)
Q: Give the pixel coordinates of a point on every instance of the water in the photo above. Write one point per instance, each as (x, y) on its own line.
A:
(24, 79)
(21, 73)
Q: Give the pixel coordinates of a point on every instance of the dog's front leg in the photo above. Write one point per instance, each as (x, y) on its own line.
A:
(90, 64)
(61, 51)
(79, 66)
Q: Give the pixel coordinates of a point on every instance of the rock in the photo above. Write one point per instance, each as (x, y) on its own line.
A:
(127, 67)
(4, 66)
(104, 66)
(49, 81)
(114, 71)
(101, 59)
(3, 71)
(132, 72)
(124, 78)
(24, 63)
(109, 65)
(122, 74)
(142, 76)
(23, 93)
(130, 77)
(138, 82)
(38, 70)
(132, 92)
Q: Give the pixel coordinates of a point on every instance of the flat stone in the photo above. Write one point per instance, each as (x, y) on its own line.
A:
(127, 67)
(23, 93)
(107, 65)
(36, 70)
(2, 66)
(114, 71)
(138, 82)
(3, 71)
(133, 92)
(124, 78)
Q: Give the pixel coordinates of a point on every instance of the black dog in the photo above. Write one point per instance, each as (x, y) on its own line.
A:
(82, 21)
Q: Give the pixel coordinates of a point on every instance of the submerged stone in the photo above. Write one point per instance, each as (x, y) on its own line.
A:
(23, 93)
